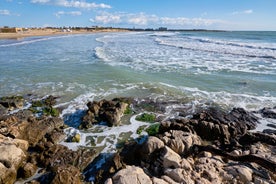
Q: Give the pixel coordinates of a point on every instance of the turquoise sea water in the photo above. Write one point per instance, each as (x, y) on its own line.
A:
(229, 69)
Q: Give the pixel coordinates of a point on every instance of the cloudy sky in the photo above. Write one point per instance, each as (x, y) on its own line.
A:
(185, 14)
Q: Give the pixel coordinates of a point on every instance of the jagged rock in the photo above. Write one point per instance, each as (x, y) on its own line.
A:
(32, 129)
(269, 131)
(27, 170)
(180, 141)
(131, 175)
(268, 112)
(104, 111)
(3, 110)
(67, 174)
(214, 124)
(11, 159)
(254, 137)
(37, 129)
(12, 102)
(272, 125)
(238, 116)
(258, 180)
(59, 155)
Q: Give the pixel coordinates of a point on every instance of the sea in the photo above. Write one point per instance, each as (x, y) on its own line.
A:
(194, 69)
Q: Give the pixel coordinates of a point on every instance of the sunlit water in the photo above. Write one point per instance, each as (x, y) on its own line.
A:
(229, 69)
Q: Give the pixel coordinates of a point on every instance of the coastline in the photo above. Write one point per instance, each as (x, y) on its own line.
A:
(52, 32)
(212, 146)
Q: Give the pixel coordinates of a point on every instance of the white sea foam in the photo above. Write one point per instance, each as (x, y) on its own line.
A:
(226, 99)
(104, 137)
(179, 53)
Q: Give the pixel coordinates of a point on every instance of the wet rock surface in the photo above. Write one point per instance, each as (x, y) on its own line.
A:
(104, 111)
(29, 142)
(209, 146)
(212, 146)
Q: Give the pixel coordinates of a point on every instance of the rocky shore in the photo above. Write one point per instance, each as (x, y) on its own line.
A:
(208, 146)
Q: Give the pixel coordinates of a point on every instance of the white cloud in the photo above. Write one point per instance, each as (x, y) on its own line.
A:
(242, 12)
(72, 3)
(107, 18)
(142, 19)
(72, 13)
(5, 12)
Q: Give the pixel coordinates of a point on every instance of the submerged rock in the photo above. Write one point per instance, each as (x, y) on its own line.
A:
(268, 112)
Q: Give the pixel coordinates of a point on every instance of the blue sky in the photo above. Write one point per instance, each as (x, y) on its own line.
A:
(184, 14)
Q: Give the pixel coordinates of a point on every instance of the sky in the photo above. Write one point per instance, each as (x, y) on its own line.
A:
(173, 14)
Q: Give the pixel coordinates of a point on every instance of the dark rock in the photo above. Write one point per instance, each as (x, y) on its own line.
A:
(24, 114)
(12, 102)
(254, 137)
(272, 125)
(27, 170)
(103, 111)
(59, 155)
(3, 110)
(269, 131)
(238, 117)
(268, 113)
(66, 174)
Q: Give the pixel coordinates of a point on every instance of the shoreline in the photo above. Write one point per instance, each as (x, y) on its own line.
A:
(50, 32)
(212, 146)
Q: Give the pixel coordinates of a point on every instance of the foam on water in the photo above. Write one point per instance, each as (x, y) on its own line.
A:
(104, 137)
(174, 52)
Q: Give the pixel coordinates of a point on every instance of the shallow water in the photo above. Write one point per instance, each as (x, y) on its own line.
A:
(227, 69)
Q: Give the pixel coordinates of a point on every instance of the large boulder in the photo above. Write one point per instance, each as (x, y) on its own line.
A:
(104, 111)
(170, 158)
(180, 141)
(12, 158)
(131, 175)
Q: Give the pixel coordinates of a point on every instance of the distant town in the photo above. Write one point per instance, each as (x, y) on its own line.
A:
(7, 29)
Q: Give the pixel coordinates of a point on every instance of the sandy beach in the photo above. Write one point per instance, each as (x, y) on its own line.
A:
(48, 32)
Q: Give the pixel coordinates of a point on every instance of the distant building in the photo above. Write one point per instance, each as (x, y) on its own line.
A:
(162, 29)
(10, 30)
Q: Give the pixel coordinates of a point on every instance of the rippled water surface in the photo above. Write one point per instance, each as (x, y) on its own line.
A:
(229, 69)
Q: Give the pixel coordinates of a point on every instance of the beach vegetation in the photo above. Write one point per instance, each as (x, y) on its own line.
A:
(44, 107)
(50, 111)
(140, 129)
(128, 110)
(146, 117)
(153, 129)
